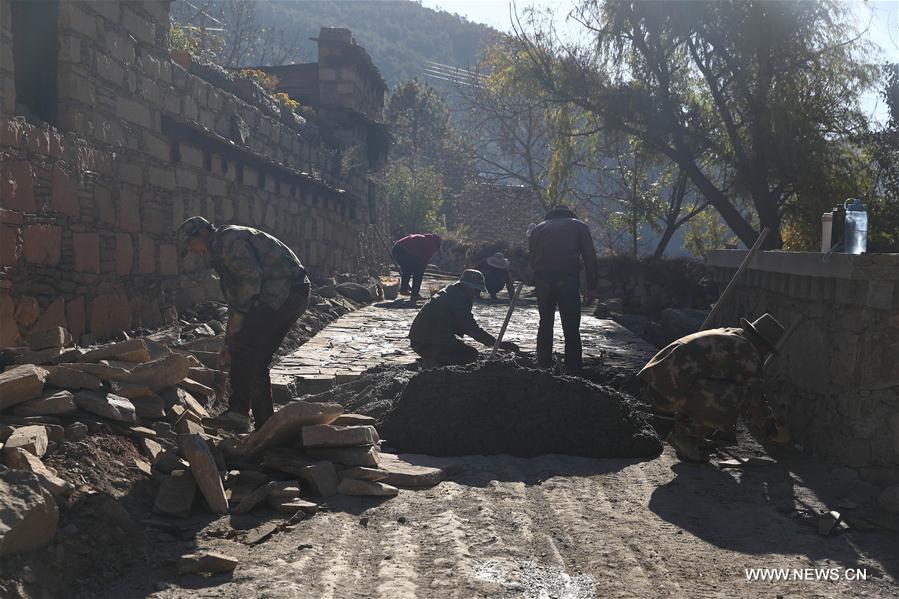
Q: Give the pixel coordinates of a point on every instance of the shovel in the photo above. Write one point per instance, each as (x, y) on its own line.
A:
(502, 331)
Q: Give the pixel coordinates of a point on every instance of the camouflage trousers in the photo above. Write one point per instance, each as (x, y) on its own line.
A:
(714, 405)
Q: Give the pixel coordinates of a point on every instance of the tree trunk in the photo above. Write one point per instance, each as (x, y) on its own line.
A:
(667, 234)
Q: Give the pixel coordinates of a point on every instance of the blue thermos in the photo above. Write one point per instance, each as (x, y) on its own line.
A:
(855, 234)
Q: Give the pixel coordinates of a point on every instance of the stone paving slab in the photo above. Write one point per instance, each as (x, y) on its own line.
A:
(376, 335)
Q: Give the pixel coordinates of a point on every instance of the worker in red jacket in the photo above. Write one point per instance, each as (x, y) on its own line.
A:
(412, 254)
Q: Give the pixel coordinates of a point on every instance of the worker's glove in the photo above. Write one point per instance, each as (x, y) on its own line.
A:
(509, 346)
(589, 296)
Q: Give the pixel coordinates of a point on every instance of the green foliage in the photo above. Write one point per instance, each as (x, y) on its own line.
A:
(183, 39)
(751, 93)
(707, 232)
(415, 199)
(424, 134)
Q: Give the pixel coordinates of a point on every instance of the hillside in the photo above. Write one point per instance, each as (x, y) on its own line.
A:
(400, 35)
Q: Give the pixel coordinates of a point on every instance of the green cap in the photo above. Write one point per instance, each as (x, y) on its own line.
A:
(189, 229)
(474, 279)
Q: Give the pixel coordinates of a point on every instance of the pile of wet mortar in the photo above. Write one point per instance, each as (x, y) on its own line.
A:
(498, 407)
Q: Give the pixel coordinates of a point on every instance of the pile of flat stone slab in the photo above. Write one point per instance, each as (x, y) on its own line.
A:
(51, 390)
(317, 451)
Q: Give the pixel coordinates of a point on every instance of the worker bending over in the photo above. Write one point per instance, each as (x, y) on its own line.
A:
(266, 289)
(705, 380)
(412, 254)
(497, 275)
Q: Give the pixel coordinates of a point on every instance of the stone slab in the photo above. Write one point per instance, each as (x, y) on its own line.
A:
(32, 438)
(351, 486)
(205, 471)
(19, 459)
(287, 424)
(69, 378)
(28, 513)
(133, 350)
(20, 384)
(206, 563)
(326, 435)
(363, 473)
(53, 337)
(406, 473)
(48, 404)
(176, 495)
(106, 405)
(348, 456)
(321, 476)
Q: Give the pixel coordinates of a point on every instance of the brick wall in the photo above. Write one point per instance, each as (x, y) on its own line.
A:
(88, 209)
(837, 378)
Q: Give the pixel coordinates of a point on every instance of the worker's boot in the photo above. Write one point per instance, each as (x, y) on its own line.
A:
(686, 447)
(230, 420)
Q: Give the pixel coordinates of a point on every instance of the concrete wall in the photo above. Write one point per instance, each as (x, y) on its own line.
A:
(88, 208)
(837, 378)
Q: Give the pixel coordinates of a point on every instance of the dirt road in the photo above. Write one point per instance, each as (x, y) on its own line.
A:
(553, 526)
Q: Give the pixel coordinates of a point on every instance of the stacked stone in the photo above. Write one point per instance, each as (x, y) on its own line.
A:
(54, 390)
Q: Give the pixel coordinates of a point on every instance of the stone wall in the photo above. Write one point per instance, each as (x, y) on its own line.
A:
(89, 205)
(494, 213)
(837, 379)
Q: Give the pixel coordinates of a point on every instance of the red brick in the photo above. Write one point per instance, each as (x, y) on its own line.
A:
(129, 213)
(27, 311)
(75, 317)
(64, 194)
(104, 209)
(10, 133)
(17, 186)
(146, 255)
(9, 332)
(87, 252)
(124, 254)
(8, 246)
(54, 316)
(98, 316)
(120, 313)
(43, 244)
(13, 218)
(168, 259)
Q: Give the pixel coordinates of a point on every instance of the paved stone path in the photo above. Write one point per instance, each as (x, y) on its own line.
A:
(376, 335)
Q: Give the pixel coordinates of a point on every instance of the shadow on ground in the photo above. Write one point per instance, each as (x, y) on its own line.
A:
(724, 509)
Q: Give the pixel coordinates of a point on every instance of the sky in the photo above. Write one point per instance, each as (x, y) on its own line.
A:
(883, 16)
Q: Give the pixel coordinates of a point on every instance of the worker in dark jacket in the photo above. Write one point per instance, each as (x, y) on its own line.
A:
(496, 274)
(267, 291)
(412, 254)
(438, 326)
(557, 248)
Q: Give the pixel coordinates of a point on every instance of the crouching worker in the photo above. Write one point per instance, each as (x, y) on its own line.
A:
(438, 326)
(267, 291)
(707, 379)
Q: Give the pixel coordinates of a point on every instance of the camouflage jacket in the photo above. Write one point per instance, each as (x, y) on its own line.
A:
(445, 316)
(723, 355)
(253, 268)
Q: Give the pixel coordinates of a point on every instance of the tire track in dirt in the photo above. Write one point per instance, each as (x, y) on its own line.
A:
(613, 553)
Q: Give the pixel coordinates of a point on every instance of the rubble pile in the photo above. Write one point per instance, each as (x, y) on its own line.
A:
(62, 407)
(499, 407)
(152, 394)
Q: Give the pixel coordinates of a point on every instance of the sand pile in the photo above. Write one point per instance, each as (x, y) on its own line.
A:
(498, 407)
